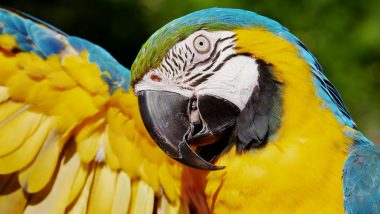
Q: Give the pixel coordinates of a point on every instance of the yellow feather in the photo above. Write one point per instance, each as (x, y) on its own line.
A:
(127, 152)
(26, 124)
(130, 157)
(89, 137)
(166, 207)
(51, 88)
(142, 198)
(110, 157)
(26, 153)
(79, 182)
(7, 68)
(38, 174)
(22, 87)
(148, 172)
(7, 42)
(12, 197)
(55, 198)
(122, 194)
(85, 74)
(103, 190)
(11, 110)
(80, 205)
(7, 109)
(147, 146)
(37, 68)
(66, 104)
(4, 94)
(88, 147)
(162, 206)
(169, 178)
(299, 170)
(61, 81)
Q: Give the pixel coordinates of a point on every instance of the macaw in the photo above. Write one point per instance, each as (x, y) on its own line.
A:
(71, 137)
(72, 140)
(236, 94)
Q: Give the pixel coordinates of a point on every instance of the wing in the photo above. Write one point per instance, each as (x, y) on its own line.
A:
(361, 179)
(71, 139)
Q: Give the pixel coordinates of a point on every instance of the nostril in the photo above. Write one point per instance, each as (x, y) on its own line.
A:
(195, 119)
(194, 113)
(197, 128)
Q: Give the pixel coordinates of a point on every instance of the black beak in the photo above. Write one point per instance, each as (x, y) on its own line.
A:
(175, 122)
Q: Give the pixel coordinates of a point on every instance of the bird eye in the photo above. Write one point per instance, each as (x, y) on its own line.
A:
(202, 44)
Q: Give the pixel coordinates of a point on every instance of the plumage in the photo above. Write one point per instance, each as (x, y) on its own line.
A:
(122, 194)
(361, 178)
(70, 131)
(260, 117)
(54, 197)
(21, 157)
(13, 199)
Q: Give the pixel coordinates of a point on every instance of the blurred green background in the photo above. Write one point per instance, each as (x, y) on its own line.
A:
(343, 35)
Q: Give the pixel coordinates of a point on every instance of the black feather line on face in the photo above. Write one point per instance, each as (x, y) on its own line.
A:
(200, 80)
(261, 117)
(176, 64)
(204, 76)
(215, 48)
(180, 58)
(213, 61)
(217, 68)
(167, 62)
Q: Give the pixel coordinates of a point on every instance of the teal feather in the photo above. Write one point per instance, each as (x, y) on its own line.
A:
(361, 178)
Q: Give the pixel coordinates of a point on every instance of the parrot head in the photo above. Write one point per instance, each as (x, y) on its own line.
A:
(207, 81)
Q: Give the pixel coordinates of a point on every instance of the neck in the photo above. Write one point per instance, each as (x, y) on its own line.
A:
(300, 168)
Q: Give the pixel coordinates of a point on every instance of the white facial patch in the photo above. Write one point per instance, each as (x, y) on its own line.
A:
(205, 63)
(235, 82)
(183, 61)
(163, 84)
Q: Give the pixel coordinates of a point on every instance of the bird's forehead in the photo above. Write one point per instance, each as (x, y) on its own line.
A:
(213, 19)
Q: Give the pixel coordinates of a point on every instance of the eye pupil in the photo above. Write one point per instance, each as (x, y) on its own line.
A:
(201, 43)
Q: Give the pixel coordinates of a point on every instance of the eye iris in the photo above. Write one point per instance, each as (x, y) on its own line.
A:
(201, 44)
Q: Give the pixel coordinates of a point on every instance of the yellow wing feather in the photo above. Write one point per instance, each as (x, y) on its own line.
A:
(13, 199)
(69, 146)
(122, 195)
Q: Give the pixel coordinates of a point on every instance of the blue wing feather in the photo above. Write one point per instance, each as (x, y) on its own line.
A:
(34, 35)
(361, 178)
